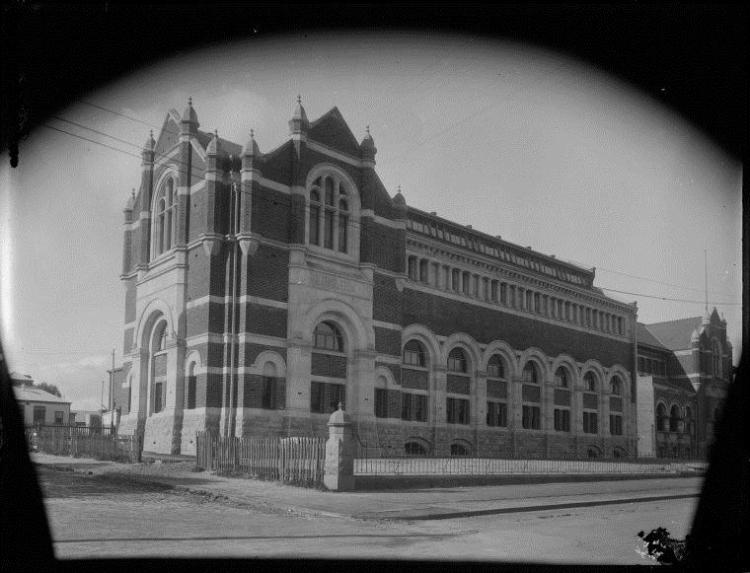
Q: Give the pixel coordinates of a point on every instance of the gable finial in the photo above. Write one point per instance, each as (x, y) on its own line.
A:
(190, 101)
(299, 98)
(252, 133)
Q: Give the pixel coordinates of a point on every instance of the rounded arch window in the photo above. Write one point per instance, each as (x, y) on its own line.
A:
(414, 354)
(561, 377)
(327, 336)
(158, 366)
(530, 373)
(329, 213)
(460, 449)
(457, 361)
(414, 448)
(615, 386)
(589, 382)
(661, 417)
(496, 367)
(164, 218)
(674, 418)
(191, 386)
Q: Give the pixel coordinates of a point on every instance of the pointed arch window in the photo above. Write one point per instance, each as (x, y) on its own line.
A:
(164, 218)
(329, 218)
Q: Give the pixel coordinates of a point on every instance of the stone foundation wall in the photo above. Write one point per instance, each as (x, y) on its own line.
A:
(159, 433)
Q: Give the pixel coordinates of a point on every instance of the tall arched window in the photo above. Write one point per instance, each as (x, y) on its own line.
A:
(674, 418)
(662, 420)
(615, 386)
(414, 354)
(561, 377)
(158, 365)
(327, 365)
(530, 373)
(589, 381)
(497, 392)
(190, 390)
(531, 411)
(457, 361)
(163, 218)
(716, 358)
(329, 213)
(328, 337)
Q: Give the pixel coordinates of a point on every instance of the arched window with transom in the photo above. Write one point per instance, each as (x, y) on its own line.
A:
(158, 366)
(662, 420)
(590, 412)
(675, 419)
(615, 386)
(497, 392)
(328, 370)
(562, 380)
(562, 400)
(458, 388)
(330, 212)
(328, 337)
(415, 382)
(164, 218)
(589, 382)
(531, 397)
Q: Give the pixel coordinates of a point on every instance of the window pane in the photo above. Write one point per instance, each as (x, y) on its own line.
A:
(328, 229)
(343, 222)
(314, 225)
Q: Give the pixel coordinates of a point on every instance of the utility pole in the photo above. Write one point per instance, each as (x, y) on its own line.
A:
(112, 395)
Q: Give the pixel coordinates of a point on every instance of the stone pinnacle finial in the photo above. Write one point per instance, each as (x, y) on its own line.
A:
(190, 101)
(340, 406)
(252, 134)
(367, 129)
(299, 98)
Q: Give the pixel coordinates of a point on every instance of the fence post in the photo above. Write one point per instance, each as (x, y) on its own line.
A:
(339, 464)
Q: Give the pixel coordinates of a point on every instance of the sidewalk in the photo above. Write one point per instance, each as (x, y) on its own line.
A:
(411, 504)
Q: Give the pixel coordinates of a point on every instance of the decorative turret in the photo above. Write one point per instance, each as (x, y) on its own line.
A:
(400, 204)
(213, 145)
(695, 337)
(147, 153)
(367, 147)
(189, 119)
(299, 123)
(251, 147)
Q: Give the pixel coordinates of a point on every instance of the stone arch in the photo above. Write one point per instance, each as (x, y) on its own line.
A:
(424, 444)
(598, 370)
(566, 361)
(426, 337)
(539, 358)
(168, 171)
(619, 371)
(356, 336)
(503, 349)
(468, 447)
(269, 356)
(326, 166)
(194, 357)
(387, 373)
(465, 342)
(154, 310)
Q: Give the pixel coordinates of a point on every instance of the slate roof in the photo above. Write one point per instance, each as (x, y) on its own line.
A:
(332, 130)
(675, 334)
(645, 337)
(31, 394)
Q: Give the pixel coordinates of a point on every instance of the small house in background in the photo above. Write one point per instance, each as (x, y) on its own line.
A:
(87, 418)
(40, 407)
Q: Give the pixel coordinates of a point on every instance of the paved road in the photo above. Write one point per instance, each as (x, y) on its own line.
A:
(102, 516)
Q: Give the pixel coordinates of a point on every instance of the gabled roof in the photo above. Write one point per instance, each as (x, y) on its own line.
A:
(331, 130)
(32, 394)
(227, 147)
(675, 334)
(644, 336)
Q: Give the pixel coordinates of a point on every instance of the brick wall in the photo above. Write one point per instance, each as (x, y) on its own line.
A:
(446, 316)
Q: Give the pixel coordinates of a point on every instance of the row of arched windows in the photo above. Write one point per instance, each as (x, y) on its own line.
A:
(675, 421)
(510, 295)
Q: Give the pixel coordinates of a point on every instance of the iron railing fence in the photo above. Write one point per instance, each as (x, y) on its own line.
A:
(472, 466)
(77, 441)
(295, 460)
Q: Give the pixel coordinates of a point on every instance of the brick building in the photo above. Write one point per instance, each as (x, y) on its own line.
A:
(262, 289)
(684, 370)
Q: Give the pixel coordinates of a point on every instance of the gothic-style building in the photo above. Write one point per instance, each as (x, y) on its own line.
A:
(262, 289)
(684, 370)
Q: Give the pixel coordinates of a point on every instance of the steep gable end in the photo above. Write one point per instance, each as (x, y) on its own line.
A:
(169, 134)
(332, 131)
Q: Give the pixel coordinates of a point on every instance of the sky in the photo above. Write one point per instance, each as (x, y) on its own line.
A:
(541, 149)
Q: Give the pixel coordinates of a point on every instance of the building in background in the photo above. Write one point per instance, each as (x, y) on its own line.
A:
(40, 408)
(262, 289)
(87, 418)
(684, 370)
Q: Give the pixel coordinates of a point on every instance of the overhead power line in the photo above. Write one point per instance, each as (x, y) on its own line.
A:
(670, 298)
(650, 280)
